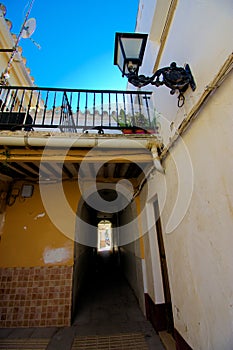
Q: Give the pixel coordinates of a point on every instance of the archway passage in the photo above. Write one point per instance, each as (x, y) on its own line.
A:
(108, 288)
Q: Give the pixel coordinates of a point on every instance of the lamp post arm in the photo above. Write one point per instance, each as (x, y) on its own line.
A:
(139, 80)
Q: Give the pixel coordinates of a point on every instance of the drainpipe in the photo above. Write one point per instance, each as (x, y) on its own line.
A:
(32, 140)
(156, 159)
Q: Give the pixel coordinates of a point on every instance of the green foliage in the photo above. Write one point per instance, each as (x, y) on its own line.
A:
(138, 119)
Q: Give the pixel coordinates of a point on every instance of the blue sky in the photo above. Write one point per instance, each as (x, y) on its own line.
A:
(76, 39)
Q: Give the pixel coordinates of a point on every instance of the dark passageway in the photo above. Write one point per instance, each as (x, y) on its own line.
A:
(108, 305)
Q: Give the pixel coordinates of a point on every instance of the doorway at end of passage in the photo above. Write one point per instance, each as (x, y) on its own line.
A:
(104, 235)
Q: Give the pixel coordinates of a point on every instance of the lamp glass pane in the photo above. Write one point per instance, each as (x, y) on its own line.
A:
(120, 58)
(132, 47)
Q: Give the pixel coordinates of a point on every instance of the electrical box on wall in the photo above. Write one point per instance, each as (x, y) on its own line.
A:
(27, 191)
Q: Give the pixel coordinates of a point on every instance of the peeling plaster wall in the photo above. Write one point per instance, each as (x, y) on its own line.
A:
(199, 248)
(39, 273)
(31, 237)
(195, 193)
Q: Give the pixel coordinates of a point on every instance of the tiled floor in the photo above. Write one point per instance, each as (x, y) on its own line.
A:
(24, 344)
(131, 341)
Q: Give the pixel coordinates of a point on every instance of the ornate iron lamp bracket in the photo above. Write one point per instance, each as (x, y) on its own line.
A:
(176, 78)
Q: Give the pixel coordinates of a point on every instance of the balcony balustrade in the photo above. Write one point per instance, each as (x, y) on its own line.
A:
(73, 110)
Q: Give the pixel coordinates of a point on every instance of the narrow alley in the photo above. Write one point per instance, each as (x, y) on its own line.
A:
(108, 318)
(110, 307)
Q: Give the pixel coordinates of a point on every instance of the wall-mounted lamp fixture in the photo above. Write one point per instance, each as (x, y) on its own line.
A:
(27, 191)
(14, 192)
(128, 56)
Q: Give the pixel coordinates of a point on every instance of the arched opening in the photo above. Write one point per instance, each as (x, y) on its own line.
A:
(107, 262)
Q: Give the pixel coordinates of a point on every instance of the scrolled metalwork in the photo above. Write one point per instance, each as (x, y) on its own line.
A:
(175, 78)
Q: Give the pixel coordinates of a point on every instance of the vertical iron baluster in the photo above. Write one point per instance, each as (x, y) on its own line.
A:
(124, 110)
(109, 109)
(140, 121)
(54, 106)
(139, 105)
(45, 107)
(85, 122)
(117, 112)
(132, 109)
(102, 108)
(62, 111)
(77, 110)
(9, 101)
(2, 105)
(148, 109)
(71, 96)
(21, 101)
(94, 110)
(37, 106)
(29, 106)
(70, 115)
(14, 95)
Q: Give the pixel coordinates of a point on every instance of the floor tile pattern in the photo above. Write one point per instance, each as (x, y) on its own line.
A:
(24, 344)
(128, 341)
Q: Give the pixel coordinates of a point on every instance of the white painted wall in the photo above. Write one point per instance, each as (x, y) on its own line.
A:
(199, 249)
(200, 35)
(131, 259)
(196, 192)
(156, 292)
(145, 9)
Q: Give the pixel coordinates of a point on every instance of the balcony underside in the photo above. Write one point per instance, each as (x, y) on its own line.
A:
(103, 163)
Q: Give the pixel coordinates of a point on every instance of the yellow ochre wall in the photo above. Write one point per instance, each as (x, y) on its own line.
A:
(30, 238)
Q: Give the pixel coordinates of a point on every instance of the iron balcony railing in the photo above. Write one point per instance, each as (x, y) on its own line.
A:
(72, 110)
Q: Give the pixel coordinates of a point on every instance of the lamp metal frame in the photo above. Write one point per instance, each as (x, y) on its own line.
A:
(176, 78)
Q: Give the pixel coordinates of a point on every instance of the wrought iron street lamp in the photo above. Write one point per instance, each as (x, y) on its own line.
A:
(128, 56)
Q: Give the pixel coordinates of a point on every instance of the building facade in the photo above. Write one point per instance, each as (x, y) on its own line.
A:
(171, 220)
